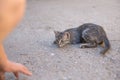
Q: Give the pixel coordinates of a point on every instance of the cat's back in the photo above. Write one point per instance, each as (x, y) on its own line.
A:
(75, 35)
(83, 27)
(92, 28)
(89, 28)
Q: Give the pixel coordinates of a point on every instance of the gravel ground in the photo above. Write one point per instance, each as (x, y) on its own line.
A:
(31, 43)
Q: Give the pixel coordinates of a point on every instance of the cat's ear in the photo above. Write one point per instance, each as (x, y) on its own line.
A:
(66, 36)
(56, 33)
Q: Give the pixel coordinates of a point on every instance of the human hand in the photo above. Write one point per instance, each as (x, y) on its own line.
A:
(16, 68)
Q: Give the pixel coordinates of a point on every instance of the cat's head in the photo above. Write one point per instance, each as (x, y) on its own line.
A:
(61, 38)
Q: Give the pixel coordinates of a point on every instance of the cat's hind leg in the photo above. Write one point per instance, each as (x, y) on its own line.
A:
(88, 45)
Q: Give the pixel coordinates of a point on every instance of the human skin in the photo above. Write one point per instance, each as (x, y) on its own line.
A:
(11, 12)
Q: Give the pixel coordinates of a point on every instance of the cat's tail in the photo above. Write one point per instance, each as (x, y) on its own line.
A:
(106, 45)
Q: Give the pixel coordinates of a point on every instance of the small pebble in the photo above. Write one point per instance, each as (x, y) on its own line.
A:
(52, 54)
(76, 62)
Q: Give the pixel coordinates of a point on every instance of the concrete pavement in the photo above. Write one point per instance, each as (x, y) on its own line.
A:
(31, 42)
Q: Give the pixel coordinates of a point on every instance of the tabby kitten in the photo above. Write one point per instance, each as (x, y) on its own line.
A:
(89, 35)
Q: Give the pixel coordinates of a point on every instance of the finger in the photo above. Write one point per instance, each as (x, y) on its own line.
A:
(2, 76)
(26, 71)
(16, 75)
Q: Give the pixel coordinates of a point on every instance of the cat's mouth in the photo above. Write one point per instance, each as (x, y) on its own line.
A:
(63, 44)
(60, 46)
